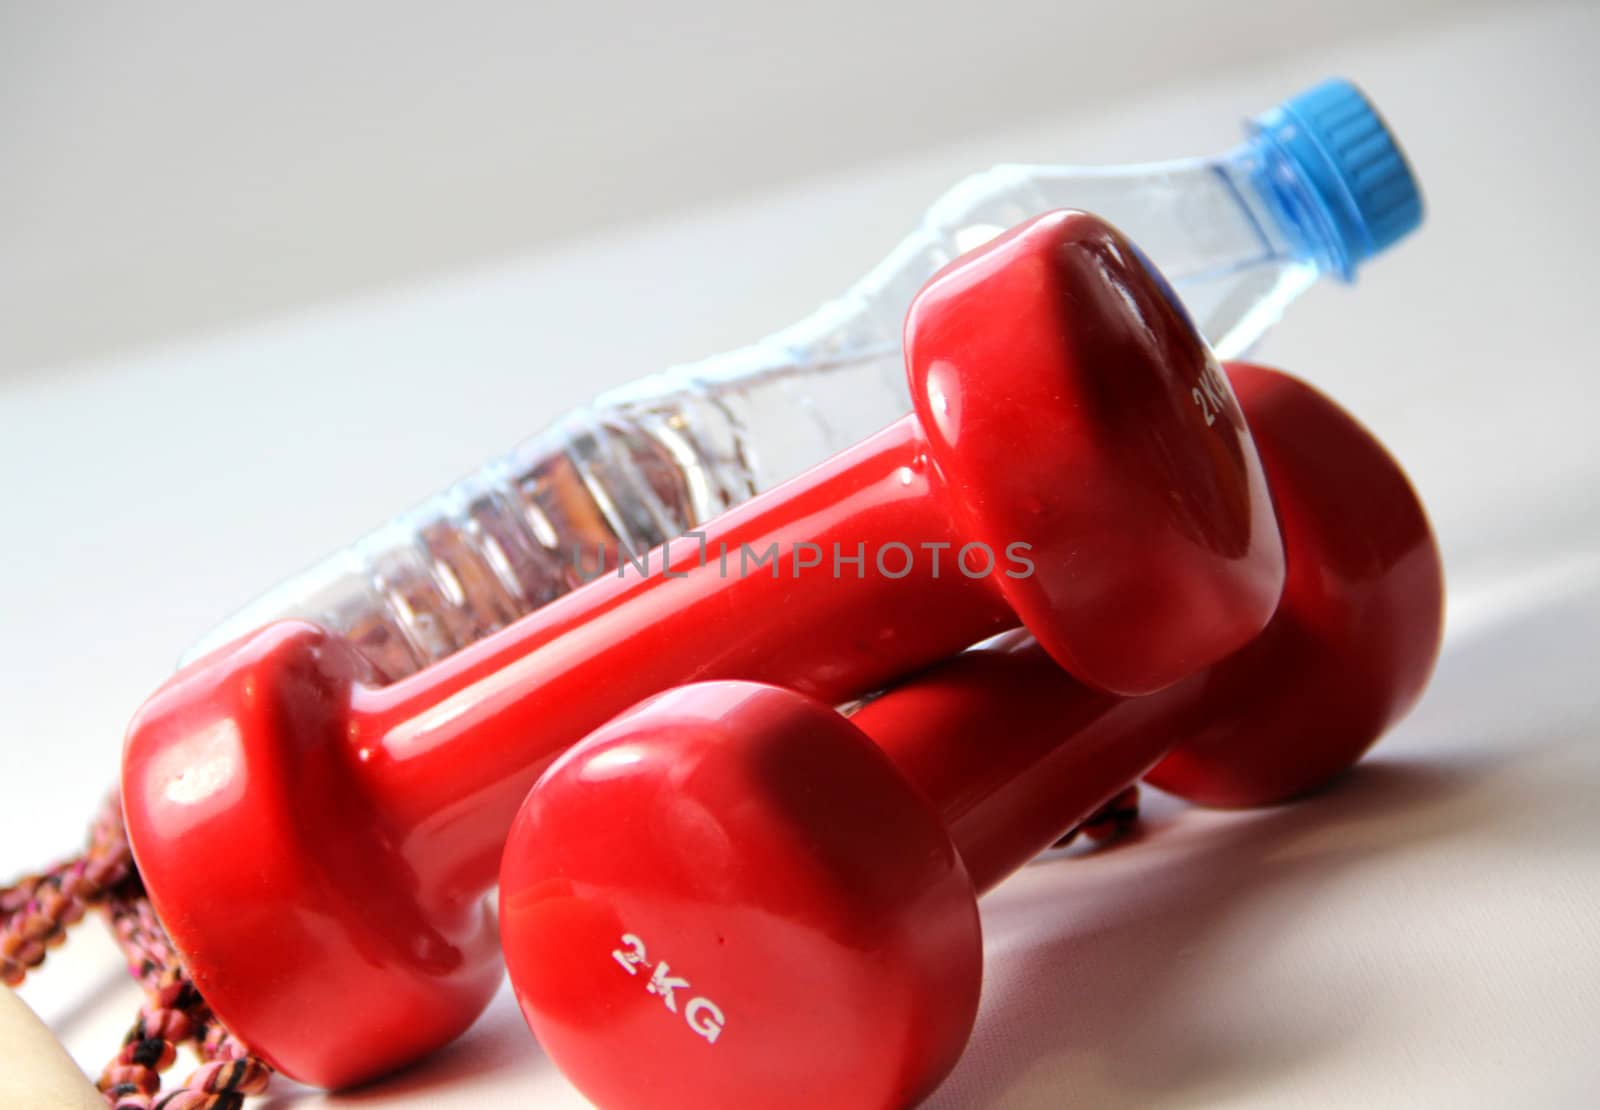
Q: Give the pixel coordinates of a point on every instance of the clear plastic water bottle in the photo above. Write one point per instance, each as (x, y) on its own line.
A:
(1318, 187)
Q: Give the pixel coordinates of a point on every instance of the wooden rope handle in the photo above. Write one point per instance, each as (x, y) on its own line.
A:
(38, 1073)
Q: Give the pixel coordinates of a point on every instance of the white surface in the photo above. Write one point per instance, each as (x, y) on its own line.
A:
(1422, 936)
(173, 166)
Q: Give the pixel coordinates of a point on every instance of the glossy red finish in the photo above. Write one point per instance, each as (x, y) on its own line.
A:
(1352, 646)
(783, 864)
(1153, 542)
(306, 836)
(309, 921)
(750, 844)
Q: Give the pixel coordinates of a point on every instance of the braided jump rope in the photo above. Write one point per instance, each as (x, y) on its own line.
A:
(37, 911)
(35, 914)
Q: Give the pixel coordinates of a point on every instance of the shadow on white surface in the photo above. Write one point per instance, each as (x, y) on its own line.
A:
(495, 1061)
(1212, 959)
(1104, 1006)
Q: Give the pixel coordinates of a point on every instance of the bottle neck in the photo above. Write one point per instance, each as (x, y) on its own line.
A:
(1238, 234)
(1199, 219)
(1278, 187)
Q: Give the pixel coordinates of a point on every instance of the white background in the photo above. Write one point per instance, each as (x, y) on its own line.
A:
(268, 276)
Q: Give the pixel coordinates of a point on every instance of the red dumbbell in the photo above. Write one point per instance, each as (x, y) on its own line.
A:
(306, 835)
(733, 896)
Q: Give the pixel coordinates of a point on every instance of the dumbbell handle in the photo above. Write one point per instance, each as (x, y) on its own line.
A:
(448, 754)
(1012, 749)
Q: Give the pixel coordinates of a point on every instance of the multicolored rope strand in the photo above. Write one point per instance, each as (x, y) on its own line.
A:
(174, 1013)
(37, 910)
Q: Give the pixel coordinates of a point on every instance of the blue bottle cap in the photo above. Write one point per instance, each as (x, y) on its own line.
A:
(1357, 176)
